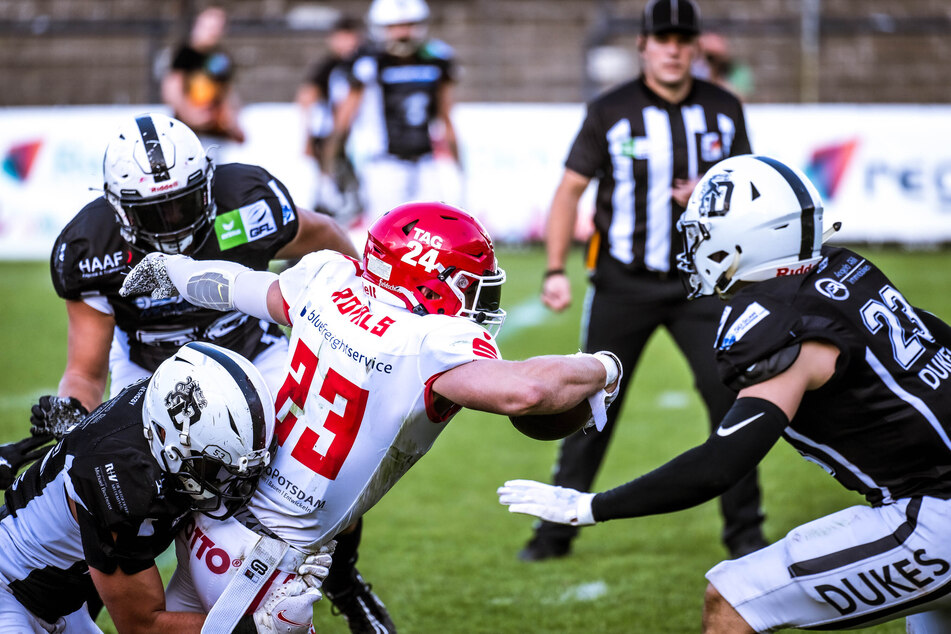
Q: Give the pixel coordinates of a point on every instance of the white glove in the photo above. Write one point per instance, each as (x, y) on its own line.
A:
(288, 610)
(555, 504)
(315, 568)
(601, 400)
(150, 276)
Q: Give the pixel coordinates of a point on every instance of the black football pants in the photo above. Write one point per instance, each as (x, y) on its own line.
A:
(621, 316)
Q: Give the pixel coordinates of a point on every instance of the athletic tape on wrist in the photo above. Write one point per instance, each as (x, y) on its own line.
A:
(611, 366)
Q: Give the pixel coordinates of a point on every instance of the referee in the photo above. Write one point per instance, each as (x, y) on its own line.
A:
(647, 142)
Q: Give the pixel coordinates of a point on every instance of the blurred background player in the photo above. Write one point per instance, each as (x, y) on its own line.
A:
(400, 102)
(233, 211)
(825, 352)
(647, 142)
(337, 188)
(416, 348)
(199, 83)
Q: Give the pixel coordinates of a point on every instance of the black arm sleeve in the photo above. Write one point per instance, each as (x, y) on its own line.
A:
(746, 434)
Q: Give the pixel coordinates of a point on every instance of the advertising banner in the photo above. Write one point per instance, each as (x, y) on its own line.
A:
(884, 171)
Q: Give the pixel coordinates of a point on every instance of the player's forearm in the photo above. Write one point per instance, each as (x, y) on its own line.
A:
(540, 385)
(748, 431)
(88, 390)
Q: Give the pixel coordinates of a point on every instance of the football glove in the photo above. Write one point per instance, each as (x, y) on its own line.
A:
(16, 455)
(288, 610)
(149, 276)
(56, 415)
(551, 503)
(315, 568)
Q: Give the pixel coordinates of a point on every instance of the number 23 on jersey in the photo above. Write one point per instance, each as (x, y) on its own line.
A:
(290, 403)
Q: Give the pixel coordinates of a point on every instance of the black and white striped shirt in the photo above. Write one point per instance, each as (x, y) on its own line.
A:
(636, 143)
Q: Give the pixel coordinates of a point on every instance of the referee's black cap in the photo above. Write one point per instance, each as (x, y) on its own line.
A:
(664, 16)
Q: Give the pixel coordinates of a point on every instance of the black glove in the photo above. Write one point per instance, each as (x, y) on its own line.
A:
(56, 415)
(16, 455)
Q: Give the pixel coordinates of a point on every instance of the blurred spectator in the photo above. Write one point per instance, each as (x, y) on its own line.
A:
(198, 85)
(717, 64)
(399, 104)
(337, 190)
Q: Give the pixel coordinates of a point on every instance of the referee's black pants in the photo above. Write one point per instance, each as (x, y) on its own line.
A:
(621, 314)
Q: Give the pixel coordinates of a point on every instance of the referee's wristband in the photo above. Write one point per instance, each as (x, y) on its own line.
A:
(551, 272)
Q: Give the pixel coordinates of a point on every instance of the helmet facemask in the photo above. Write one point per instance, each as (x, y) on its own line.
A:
(177, 223)
(218, 489)
(479, 296)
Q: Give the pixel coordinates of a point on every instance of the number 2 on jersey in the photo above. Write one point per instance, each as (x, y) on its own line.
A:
(906, 347)
(344, 426)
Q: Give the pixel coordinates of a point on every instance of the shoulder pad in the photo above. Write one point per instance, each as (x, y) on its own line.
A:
(436, 49)
(89, 254)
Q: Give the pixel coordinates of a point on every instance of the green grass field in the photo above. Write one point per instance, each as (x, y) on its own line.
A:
(440, 550)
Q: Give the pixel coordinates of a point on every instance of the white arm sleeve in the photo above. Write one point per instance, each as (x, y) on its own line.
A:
(214, 284)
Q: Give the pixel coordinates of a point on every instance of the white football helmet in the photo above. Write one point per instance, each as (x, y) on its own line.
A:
(388, 13)
(209, 419)
(158, 179)
(750, 218)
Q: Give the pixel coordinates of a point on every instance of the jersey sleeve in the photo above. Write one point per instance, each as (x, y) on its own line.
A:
(589, 148)
(114, 506)
(759, 336)
(454, 342)
(295, 280)
(444, 54)
(89, 256)
(256, 212)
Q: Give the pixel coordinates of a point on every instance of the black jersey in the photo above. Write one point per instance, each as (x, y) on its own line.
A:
(408, 93)
(636, 143)
(256, 217)
(882, 425)
(106, 467)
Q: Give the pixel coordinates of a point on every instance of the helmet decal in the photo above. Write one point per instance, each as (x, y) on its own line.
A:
(184, 404)
(251, 395)
(153, 148)
(715, 199)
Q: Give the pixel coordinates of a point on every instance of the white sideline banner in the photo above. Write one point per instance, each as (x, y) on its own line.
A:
(883, 170)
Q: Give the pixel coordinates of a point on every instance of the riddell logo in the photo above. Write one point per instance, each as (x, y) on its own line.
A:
(165, 187)
(827, 167)
(805, 268)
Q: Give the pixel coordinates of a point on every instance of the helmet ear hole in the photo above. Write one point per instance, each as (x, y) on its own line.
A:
(719, 256)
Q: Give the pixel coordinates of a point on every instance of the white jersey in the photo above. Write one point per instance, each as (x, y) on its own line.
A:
(356, 409)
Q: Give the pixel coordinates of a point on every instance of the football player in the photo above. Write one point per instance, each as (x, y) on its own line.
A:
(384, 352)
(400, 88)
(95, 512)
(163, 193)
(826, 352)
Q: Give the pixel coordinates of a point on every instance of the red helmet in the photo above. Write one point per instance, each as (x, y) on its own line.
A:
(436, 259)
